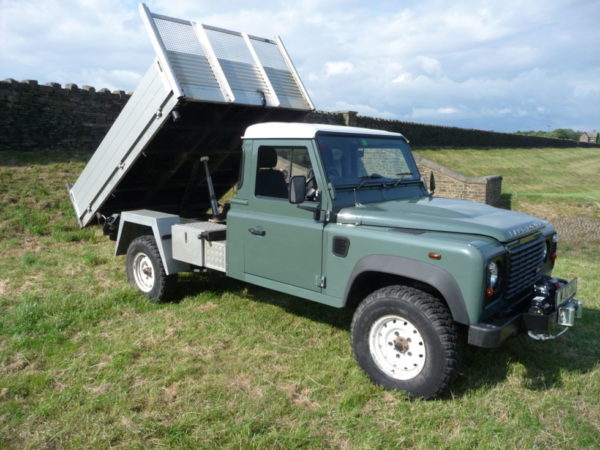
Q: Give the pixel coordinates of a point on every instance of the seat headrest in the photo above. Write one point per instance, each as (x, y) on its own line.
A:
(267, 158)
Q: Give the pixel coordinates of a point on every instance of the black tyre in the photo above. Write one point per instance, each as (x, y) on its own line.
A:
(406, 340)
(146, 272)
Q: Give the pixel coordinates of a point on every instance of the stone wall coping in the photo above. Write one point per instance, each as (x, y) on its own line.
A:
(448, 127)
(454, 174)
(66, 87)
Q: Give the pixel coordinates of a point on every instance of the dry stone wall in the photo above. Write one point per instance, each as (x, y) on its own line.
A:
(49, 116)
(54, 117)
(453, 184)
(431, 136)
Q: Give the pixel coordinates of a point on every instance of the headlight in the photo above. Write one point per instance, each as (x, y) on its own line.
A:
(555, 238)
(493, 275)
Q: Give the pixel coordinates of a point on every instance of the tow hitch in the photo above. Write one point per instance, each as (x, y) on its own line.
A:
(552, 307)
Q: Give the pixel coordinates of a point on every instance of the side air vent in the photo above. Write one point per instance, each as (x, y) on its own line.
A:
(341, 245)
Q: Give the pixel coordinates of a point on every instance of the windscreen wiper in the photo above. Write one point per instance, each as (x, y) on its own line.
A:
(365, 178)
(400, 180)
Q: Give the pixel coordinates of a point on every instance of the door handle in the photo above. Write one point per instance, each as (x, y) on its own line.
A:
(256, 232)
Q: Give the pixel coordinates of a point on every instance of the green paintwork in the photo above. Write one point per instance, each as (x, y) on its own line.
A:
(290, 251)
(295, 255)
(442, 214)
(462, 256)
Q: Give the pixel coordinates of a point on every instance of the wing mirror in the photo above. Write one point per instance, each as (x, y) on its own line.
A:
(297, 192)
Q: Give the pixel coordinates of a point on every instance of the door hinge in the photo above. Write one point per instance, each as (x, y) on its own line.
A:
(320, 281)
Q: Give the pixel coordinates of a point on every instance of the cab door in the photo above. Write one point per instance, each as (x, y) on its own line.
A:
(283, 242)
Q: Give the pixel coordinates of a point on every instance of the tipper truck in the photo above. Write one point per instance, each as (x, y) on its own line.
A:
(333, 214)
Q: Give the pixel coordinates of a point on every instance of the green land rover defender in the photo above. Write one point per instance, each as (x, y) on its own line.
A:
(333, 214)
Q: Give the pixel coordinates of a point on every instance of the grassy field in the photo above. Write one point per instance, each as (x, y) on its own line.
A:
(86, 361)
(533, 174)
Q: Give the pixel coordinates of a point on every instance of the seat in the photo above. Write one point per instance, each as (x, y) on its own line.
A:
(269, 181)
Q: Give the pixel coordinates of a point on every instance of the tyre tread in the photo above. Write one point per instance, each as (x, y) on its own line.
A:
(165, 284)
(439, 315)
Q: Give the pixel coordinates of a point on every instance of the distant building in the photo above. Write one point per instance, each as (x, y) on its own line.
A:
(589, 137)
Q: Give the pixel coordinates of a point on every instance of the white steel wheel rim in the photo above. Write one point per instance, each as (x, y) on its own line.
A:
(397, 347)
(143, 272)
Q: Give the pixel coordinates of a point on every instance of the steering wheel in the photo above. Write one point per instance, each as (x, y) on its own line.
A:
(311, 192)
(310, 177)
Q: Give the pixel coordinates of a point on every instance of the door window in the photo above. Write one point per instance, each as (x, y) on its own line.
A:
(277, 165)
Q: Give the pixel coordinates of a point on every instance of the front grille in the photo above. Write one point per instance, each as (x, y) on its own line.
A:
(524, 262)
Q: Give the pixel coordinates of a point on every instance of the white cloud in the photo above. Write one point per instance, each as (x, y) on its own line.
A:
(447, 110)
(419, 113)
(333, 68)
(431, 66)
(505, 66)
(110, 79)
(403, 78)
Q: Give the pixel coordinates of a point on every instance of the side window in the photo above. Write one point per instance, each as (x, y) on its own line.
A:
(241, 173)
(276, 166)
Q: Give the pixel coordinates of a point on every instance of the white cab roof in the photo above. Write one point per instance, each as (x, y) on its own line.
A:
(299, 130)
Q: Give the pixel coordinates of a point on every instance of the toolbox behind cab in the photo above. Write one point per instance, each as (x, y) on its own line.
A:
(204, 88)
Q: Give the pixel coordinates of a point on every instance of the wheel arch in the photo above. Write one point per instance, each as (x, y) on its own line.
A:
(375, 271)
(127, 233)
(137, 223)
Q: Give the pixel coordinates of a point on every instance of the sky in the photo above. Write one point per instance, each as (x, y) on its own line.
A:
(504, 65)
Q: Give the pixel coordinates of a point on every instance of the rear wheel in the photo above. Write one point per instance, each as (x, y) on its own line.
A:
(146, 272)
(405, 339)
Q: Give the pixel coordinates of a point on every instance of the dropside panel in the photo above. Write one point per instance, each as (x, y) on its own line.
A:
(140, 119)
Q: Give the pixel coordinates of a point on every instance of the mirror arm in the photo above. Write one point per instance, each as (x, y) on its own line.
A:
(314, 209)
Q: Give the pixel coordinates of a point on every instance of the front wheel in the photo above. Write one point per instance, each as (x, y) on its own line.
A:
(146, 272)
(405, 339)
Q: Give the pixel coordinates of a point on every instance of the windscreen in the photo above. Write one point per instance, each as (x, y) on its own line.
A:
(363, 160)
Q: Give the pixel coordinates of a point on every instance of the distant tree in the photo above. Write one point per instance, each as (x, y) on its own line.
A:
(559, 133)
(567, 133)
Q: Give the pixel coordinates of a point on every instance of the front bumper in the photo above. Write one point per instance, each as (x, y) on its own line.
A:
(538, 316)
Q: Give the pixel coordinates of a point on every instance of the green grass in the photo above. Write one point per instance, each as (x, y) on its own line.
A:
(86, 361)
(536, 174)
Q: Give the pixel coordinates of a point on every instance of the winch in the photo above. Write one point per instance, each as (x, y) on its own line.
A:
(551, 307)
